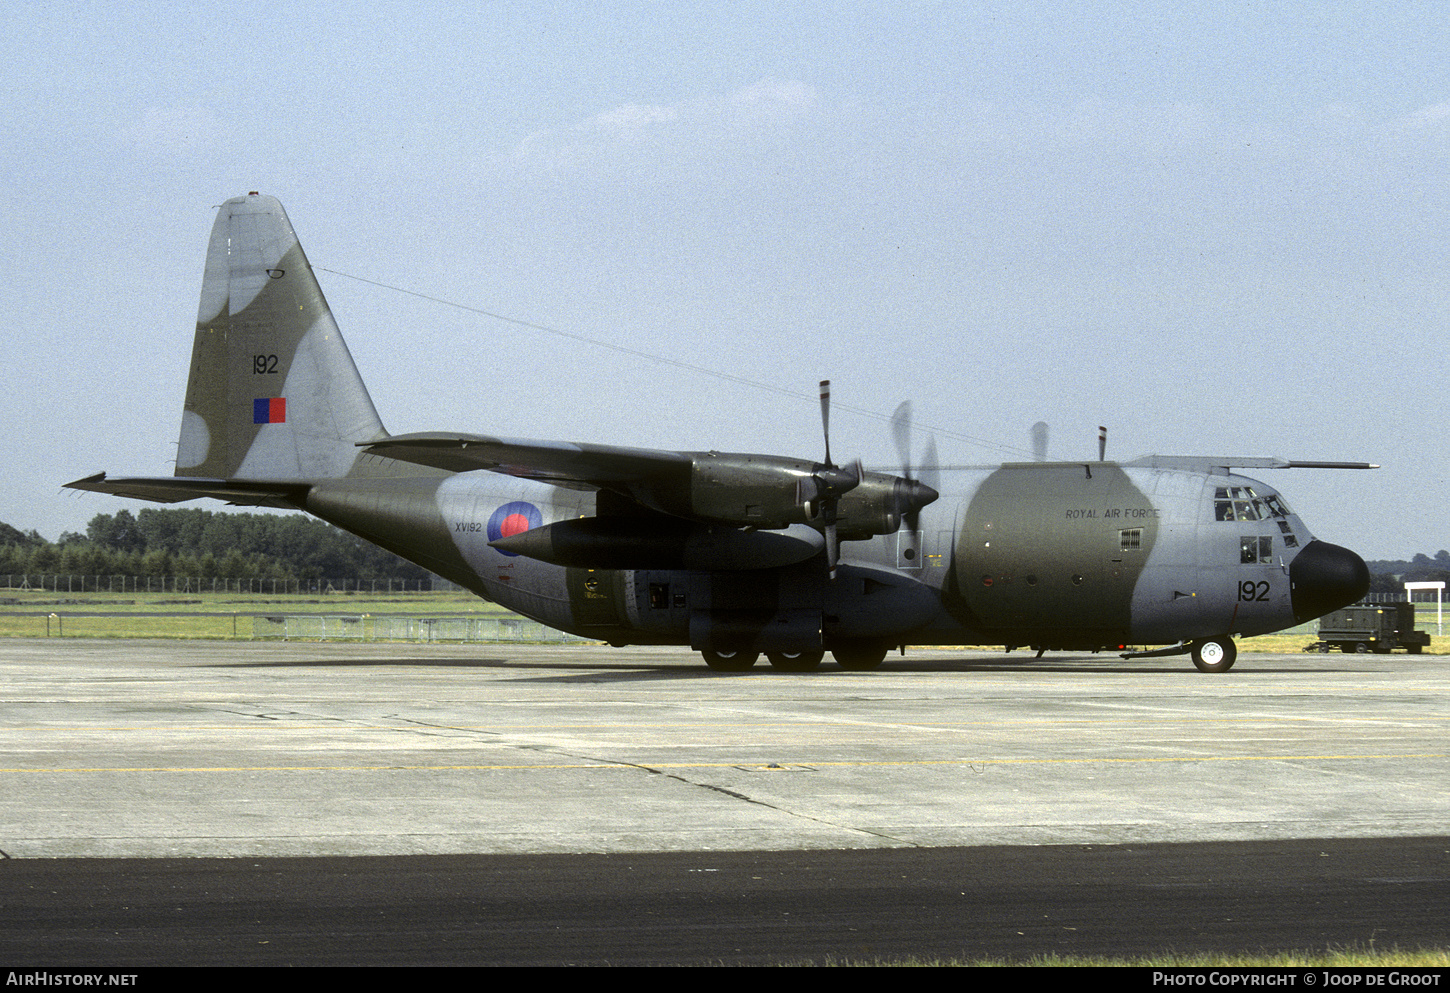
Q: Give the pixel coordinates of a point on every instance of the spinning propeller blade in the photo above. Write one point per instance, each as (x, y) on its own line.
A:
(918, 483)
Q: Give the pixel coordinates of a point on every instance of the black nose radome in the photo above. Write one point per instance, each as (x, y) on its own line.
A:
(1325, 577)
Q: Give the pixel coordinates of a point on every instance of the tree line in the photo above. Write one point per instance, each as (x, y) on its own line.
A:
(204, 544)
(1388, 576)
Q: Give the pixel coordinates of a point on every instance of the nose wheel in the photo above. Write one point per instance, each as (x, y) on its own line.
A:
(1214, 654)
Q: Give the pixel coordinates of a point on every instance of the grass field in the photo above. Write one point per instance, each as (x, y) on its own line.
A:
(41, 613)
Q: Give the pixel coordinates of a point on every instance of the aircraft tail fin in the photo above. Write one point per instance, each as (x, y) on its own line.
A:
(273, 392)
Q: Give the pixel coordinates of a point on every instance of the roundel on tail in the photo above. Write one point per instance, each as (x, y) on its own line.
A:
(511, 519)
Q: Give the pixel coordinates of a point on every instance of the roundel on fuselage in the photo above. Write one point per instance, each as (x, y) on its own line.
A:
(511, 519)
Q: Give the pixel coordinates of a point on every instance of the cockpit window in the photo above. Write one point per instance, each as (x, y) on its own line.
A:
(1241, 503)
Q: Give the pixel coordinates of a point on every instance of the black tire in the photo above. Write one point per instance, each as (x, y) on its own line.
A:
(1360, 648)
(730, 661)
(795, 661)
(859, 658)
(1214, 654)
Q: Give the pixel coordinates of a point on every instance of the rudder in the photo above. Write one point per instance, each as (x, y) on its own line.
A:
(273, 392)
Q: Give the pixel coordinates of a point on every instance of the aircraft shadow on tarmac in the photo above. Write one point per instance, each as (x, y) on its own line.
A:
(688, 668)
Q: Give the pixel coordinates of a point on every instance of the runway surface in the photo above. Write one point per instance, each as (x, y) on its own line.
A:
(727, 907)
(299, 757)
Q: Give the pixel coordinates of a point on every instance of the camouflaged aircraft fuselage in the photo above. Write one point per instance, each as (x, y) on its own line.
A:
(731, 554)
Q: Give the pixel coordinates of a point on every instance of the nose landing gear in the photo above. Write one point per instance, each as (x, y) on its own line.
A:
(1214, 654)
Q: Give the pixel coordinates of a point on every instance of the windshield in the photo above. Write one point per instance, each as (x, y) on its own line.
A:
(1241, 503)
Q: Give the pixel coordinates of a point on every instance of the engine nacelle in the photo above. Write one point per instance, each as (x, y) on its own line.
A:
(757, 491)
(874, 507)
(764, 492)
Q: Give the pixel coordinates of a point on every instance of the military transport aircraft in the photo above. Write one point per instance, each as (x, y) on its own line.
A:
(732, 554)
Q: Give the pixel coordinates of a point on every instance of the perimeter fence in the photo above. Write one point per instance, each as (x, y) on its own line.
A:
(63, 582)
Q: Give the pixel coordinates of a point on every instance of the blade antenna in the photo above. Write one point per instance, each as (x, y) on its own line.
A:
(1039, 441)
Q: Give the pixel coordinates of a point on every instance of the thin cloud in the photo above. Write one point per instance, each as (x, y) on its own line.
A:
(619, 133)
(631, 116)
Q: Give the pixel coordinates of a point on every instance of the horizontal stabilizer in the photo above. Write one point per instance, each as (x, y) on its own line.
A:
(288, 494)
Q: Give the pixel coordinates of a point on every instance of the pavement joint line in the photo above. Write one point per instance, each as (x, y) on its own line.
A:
(409, 723)
(659, 771)
(623, 766)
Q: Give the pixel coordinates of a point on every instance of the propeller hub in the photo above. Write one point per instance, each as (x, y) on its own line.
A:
(835, 481)
(917, 495)
(910, 496)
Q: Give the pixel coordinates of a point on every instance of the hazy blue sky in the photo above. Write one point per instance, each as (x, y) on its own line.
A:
(1216, 231)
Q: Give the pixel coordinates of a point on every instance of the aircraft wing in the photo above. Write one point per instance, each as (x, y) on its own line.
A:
(288, 494)
(579, 466)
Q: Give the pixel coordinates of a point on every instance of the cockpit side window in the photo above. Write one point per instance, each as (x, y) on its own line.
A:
(1256, 550)
(1290, 539)
(1277, 506)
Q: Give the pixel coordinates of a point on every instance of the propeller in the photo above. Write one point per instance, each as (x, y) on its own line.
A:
(916, 489)
(1039, 441)
(1102, 443)
(827, 483)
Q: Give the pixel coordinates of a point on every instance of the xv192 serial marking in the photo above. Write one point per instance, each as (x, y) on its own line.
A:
(732, 554)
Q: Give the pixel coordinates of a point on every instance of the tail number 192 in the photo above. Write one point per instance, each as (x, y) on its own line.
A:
(1252, 591)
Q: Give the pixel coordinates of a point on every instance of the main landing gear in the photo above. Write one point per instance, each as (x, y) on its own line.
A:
(1214, 654)
(795, 661)
(854, 658)
(730, 661)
